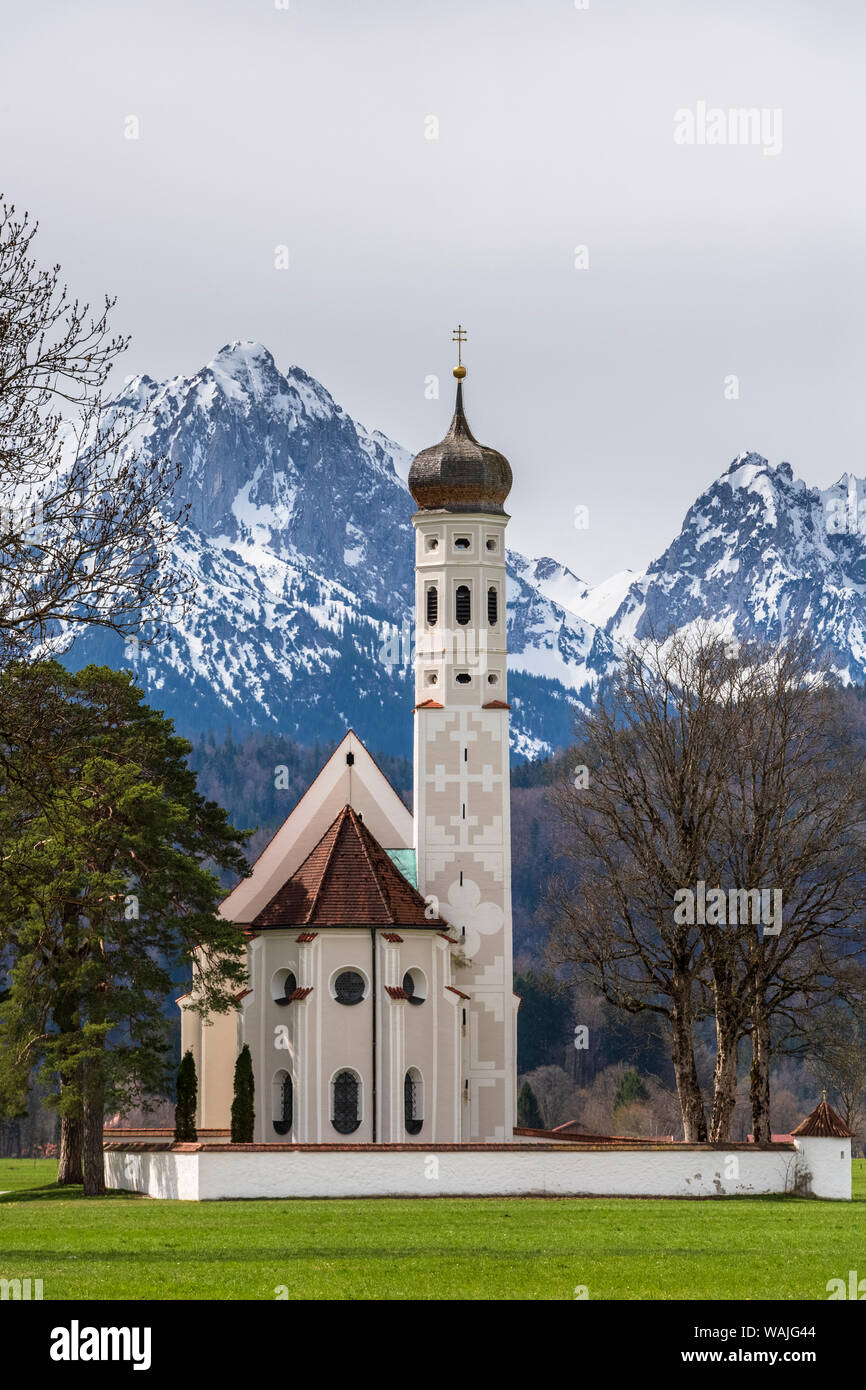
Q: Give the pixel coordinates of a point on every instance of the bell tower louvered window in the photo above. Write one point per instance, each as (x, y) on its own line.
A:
(462, 605)
(492, 606)
(346, 1115)
(432, 605)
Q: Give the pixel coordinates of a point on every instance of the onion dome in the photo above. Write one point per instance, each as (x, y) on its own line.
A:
(460, 475)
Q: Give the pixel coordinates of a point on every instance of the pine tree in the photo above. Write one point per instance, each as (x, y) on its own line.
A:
(528, 1113)
(630, 1089)
(107, 893)
(243, 1111)
(187, 1095)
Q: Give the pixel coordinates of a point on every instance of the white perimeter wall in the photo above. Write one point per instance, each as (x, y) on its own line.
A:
(819, 1166)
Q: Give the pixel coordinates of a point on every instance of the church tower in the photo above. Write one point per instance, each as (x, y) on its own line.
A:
(462, 821)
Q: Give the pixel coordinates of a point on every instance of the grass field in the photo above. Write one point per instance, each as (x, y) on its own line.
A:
(128, 1247)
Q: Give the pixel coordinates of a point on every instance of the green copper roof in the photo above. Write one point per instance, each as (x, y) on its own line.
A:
(404, 859)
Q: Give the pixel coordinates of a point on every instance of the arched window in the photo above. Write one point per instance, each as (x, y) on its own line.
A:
(413, 1111)
(492, 606)
(432, 605)
(462, 604)
(415, 986)
(283, 986)
(346, 1102)
(349, 987)
(282, 1102)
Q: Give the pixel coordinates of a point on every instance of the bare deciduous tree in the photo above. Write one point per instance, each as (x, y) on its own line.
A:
(791, 820)
(641, 829)
(86, 524)
(836, 1038)
(735, 768)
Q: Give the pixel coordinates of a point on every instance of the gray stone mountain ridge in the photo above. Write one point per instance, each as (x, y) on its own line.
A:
(299, 536)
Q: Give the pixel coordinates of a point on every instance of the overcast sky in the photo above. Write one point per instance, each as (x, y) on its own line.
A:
(307, 127)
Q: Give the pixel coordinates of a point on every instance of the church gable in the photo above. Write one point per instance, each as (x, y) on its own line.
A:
(350, 777)
(347, 880)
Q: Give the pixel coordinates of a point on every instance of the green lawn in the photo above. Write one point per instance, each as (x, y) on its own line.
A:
(127, 1247)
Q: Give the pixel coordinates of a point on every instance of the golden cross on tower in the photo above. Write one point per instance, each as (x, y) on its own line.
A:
(459, 336)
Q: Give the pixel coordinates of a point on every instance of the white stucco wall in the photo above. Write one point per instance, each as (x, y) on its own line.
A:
(829, 1162)
(173, 1175)
(317, 1037)
(516, 1171)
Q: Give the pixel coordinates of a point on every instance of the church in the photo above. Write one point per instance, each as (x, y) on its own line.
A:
(379, 1006)
(378, 1009)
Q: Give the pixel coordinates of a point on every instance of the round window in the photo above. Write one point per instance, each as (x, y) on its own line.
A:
(415, 986)
(283, 986)
(349, 987)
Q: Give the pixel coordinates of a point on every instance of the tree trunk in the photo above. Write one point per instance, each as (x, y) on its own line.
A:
(686, 1072)
(94, 1162)
(760, 1074)
(69, 1168)
(724, 1076)
(94, 1120)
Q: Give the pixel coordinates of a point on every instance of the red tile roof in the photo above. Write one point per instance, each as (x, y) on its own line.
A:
(298, 994)
(455, 990)
(823, 1123)
(496, 704)
(392, 937)
(562, 1132)
(455, 940)
(307, 936)
(347, 880)
(429, 704)
(396, 992)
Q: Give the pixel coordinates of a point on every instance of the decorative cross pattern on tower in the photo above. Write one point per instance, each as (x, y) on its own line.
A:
(459, 336)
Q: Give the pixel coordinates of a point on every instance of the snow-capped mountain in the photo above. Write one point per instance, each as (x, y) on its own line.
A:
(759, 554)
(300, 539)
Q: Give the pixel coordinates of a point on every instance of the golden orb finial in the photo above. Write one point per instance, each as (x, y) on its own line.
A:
(459, 336)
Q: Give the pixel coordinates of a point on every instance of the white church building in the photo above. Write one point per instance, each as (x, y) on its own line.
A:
(379, 1010)
(380, 1002)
